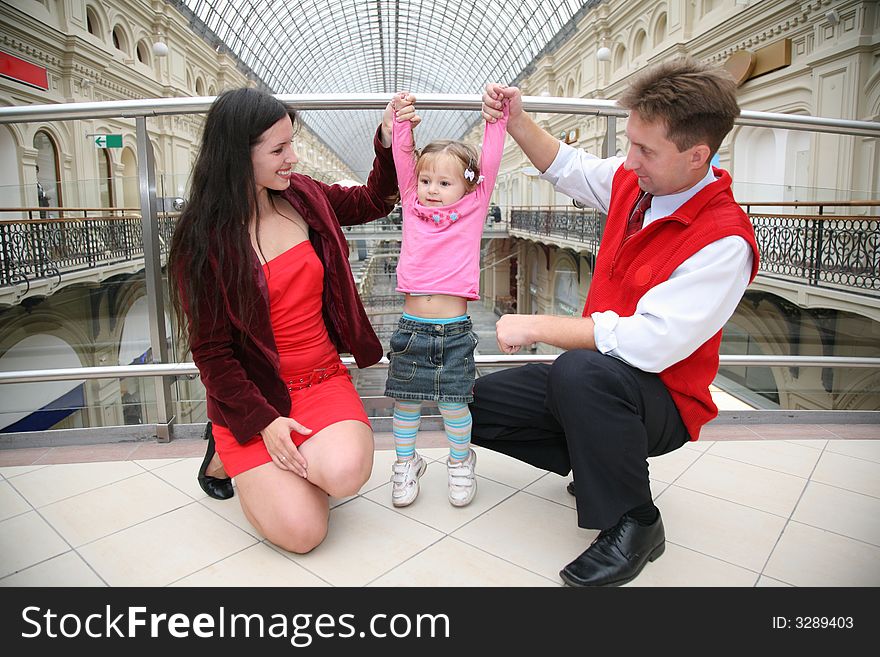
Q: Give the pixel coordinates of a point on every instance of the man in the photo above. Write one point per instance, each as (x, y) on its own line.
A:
(676, 256)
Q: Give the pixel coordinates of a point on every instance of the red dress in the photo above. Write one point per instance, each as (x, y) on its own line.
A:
(321, 390)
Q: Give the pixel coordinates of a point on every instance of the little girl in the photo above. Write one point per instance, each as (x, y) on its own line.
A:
(445, 192)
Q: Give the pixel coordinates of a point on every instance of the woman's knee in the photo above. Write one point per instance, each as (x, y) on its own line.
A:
(298, 533)
(346, 474)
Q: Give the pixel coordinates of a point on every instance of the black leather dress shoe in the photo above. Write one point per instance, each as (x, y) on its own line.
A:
(217, 487)
(617, 555)
(570, 488)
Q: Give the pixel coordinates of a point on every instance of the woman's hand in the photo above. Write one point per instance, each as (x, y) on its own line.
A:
(403, 107)
(284, 453)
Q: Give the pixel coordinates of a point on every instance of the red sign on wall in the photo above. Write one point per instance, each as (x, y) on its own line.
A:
(21, 71)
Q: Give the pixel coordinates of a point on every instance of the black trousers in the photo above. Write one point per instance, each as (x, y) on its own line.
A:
(587, 413)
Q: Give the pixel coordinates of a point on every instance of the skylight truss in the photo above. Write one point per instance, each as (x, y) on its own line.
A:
(384, 46)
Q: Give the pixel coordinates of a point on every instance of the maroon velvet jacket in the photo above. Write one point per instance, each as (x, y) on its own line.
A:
(240, 369)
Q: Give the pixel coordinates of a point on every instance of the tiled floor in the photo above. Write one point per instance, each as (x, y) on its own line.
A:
(745, 506)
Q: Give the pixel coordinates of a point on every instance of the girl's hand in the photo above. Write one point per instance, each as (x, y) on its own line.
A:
(284, 453)
(401, 106)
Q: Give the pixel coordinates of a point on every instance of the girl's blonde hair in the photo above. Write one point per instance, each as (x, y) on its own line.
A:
(464, 154)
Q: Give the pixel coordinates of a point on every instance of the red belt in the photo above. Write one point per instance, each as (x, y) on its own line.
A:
(309, 379)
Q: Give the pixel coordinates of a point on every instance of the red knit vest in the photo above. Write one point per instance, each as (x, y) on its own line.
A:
(626, 269)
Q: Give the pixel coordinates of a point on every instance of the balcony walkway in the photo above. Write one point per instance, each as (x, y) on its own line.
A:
(753, 505)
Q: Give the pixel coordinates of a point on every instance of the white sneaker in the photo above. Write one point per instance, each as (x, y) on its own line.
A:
(462, 481)
(405, 480)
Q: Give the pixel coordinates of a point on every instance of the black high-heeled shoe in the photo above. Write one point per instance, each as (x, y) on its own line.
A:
(216, 487)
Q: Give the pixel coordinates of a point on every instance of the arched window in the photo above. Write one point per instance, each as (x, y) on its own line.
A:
(130, 189)
(660, 30)
(619, 57)
(93, 25)
(200, 87)
(120, 41)
(639, 44)
(48, 168)
(143, 52)
(105, 179)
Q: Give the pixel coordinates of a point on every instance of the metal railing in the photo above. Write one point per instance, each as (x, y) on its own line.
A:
(78, 239)
(835, 252)
(580, 225)
(140, 110)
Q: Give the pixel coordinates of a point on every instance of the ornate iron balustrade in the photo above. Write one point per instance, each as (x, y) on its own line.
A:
(840, 252)
(580, 225)
(78, 239)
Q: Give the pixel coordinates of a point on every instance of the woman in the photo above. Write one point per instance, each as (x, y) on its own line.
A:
(260, 271)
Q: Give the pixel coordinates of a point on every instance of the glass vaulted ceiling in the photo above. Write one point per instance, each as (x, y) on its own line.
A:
(383, 46)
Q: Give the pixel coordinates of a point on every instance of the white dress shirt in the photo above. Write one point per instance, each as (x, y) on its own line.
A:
(675, 317)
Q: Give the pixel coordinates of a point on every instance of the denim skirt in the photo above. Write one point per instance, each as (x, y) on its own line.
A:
(432, 362)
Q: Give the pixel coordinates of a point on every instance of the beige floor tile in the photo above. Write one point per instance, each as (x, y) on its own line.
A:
(679, 566)
(749, 485)
(165, 549)
(26, 540)
(450, 562)
(534, 533)
(381, 474)
(860, 449)
(433, 453)
(657, 487)
(15, 470)
(505, 469)
(183, 475)
(66, 569)
(699, 445)
(669, 467)
(152, 464)
(432, 506)
(807, 556)
(258, 565)
(57, 482)
(552, 487)
(100, 512)
(766, 582)
(230, 510)
(365, 540)
(779, 455)
(718, 528)
(11, 503)
(850, 473)
(812, 444)
(840, 511)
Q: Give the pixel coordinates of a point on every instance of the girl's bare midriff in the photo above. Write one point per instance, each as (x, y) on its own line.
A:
(435, 306)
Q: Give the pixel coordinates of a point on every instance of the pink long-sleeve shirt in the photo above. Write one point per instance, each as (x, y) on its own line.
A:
(440, 253)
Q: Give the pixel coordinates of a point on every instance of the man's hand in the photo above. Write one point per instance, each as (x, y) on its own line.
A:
(492, 98)
(514, 331)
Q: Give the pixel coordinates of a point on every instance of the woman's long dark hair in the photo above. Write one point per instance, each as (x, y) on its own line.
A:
(221, 203)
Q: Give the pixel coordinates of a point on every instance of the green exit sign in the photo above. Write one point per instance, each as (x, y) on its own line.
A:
(108, 141)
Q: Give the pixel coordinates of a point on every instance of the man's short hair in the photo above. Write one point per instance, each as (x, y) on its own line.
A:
(696, 102)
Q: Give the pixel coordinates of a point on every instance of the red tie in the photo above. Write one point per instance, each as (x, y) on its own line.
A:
(637, 218)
